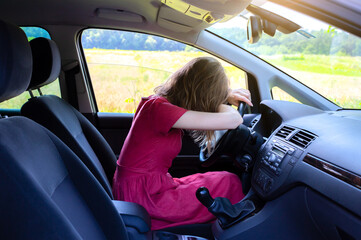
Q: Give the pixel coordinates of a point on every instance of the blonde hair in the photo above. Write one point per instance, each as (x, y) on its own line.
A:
(200, 85)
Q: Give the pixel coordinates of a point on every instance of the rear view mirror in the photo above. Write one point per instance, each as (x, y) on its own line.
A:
(268, 22)
(254, 29)
(269, 27)
(283, 25)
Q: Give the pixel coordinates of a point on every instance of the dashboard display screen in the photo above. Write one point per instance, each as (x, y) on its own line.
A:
(278, 152)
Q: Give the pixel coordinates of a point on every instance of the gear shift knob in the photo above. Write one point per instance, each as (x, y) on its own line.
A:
(226, 212)
(204, 197)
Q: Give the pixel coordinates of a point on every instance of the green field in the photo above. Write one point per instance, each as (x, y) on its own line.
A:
(16, 103)
(337, 78)
(335, 65)
(121, 77)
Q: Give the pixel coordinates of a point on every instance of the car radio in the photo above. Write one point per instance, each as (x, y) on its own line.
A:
(276, 158)
(277, 152)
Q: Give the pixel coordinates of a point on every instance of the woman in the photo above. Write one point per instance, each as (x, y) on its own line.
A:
(193, 98)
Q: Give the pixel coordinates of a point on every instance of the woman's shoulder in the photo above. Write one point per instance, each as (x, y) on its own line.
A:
(154, 100)
(159, 104)
(150, 102)
(161, 112)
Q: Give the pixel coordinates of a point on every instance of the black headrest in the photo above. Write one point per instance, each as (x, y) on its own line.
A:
(16, 63)
(46, 62)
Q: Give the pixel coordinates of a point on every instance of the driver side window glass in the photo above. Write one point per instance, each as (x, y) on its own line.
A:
(125, 66)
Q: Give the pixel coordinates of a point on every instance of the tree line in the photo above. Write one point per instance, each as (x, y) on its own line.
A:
(325, 42)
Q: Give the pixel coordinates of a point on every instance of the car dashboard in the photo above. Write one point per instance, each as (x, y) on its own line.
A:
(310, 147)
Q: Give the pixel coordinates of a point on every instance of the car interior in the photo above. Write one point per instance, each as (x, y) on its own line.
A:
(298, 156)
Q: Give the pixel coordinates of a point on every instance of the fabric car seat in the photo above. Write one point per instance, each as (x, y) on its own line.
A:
(64, 120)
(77, 132)
(46, 190)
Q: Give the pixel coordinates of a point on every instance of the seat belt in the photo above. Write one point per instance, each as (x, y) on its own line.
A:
(68, 76)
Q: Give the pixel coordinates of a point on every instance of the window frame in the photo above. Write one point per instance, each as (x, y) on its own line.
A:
(86, 72)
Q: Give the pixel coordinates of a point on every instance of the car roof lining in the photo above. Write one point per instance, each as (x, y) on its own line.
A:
(84, 13)
(329, 11)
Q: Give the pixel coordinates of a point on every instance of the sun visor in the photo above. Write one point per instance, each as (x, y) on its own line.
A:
(187, 15)
(174, 20)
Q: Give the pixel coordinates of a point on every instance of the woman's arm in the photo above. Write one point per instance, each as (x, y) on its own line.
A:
(226, 117)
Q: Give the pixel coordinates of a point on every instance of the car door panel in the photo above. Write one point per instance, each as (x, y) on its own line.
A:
(115, 127)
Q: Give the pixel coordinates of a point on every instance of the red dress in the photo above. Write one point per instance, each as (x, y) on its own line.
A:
(142, 172)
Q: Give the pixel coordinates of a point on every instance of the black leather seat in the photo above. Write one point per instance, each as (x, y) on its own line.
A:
(64, 120)
(46, 190)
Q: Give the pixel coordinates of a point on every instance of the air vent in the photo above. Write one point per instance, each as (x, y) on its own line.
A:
(284, 131)
(254, 121)
(302, 138)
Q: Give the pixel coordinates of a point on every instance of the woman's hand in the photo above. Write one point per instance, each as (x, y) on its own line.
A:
(239, 95)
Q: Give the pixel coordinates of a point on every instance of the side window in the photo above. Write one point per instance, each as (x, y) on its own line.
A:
(125, 66)
(53, 88)
(279, 94)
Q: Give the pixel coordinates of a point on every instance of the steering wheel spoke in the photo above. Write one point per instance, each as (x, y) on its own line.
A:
(225, 141)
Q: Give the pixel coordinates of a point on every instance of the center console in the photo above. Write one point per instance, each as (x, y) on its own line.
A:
(274, 162)
(138, 224)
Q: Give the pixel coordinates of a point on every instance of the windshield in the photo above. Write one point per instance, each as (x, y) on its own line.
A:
(328, 60)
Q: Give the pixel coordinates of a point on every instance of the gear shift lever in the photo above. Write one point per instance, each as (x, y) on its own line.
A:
(204, 197)
(223, 209)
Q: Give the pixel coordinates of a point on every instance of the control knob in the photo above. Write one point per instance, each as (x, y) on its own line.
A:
(272, 158)
(267, 184)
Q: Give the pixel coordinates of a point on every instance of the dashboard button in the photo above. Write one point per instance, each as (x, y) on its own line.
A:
(293, 161)
(291, 151)
(298, 153)
(272, 158)
(267, 184)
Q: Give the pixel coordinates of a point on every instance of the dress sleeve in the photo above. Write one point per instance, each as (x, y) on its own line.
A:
(165, 115)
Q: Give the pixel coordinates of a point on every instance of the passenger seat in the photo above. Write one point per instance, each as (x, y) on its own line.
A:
(46, 191)
(63, 119)
(84, 139)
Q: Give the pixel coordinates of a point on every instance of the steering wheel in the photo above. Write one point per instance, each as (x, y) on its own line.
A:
(223, 141)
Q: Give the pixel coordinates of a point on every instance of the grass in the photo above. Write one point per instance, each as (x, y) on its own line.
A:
(337, 78)
(16, 103)
(335, 65)
(120, 77)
